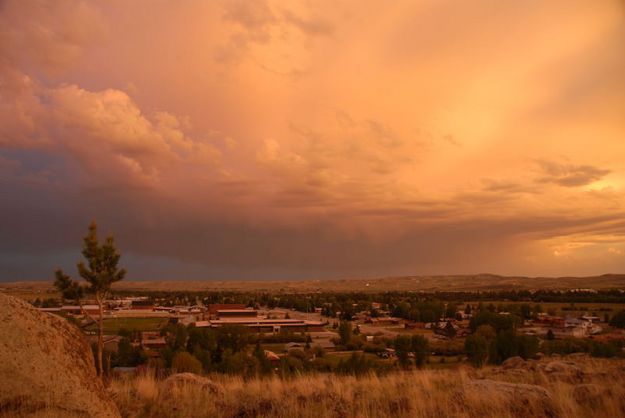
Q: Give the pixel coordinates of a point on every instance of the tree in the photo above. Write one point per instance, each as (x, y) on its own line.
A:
(100, 272)
(175, 336)
(421, 348)
(450, 310)
(345, 332)
(402, 350)
(477, 349)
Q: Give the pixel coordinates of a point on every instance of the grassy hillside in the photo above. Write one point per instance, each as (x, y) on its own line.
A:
(549, 388)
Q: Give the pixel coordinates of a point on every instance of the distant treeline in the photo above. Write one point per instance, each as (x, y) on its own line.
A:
(354, 301)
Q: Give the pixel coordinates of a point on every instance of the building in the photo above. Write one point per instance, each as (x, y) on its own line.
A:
(142, 304)
(266, 325)
(272, 357)
(384, 321)
(78, 310)
(236, 313)
(214, 307)
(153, 340)
(581, 327)
(446, 329)
(327, 345)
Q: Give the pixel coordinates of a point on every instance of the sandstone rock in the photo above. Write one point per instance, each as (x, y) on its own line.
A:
(588, 394)
(564, 371)
(562, 367)
(523, 400)
(46, 366)
(578, 356)
(190, 379)
(514, 363)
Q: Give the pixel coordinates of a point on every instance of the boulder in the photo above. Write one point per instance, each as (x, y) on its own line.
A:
(521, 400)
(46, 366)
(577, 356)
(190, 379)
(589, 395)
(565, 371)
(514, 363)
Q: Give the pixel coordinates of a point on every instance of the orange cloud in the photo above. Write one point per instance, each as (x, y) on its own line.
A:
(279, 138)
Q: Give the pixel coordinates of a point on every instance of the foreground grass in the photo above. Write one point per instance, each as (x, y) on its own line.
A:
(598, 390)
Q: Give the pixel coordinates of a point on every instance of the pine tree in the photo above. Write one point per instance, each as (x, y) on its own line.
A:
(100, 272)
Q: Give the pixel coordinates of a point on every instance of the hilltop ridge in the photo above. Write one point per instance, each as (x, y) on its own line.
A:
(476, 282)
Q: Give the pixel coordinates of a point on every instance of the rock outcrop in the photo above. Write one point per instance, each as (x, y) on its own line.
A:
(566, 371)
(190, 379)
(513, 363)
(46, 366)
(521, 399)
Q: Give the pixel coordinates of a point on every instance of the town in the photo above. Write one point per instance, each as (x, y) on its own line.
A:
(248, 333)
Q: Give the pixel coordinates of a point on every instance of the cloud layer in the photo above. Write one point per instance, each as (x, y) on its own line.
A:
(280, 140)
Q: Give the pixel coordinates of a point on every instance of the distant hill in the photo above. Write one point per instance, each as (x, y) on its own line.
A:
(477, 282)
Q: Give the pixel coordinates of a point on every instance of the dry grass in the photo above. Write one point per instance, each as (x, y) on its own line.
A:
(598, 391)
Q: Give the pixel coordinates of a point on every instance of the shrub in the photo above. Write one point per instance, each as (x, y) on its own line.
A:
(477, 348)
(618, 320)
(185, 362)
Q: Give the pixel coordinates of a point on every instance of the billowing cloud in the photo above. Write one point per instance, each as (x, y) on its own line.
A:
(276, 139)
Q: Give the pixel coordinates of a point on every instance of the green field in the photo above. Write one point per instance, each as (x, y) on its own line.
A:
(113, 325)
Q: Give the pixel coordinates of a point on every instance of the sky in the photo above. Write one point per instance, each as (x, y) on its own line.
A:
(299, 139)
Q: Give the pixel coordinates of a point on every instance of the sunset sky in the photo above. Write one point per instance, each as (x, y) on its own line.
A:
(314, 139)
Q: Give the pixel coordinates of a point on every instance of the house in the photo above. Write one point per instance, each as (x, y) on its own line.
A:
(590, 318)
(152, 339)
(384, 321)
(387, 353)
(446, 329)
(463, 316)
(154, 343)
(272, 357)
(580, 327)
(570, 322)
